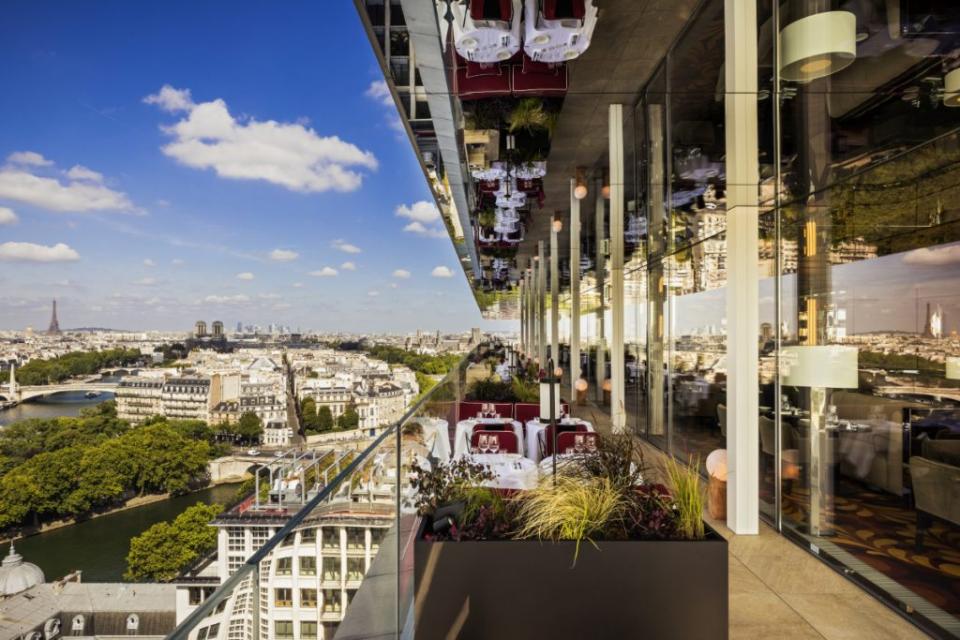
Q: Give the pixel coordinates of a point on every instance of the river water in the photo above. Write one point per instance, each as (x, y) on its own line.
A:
(98, 547)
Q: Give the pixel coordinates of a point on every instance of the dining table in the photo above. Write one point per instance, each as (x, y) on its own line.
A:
(511, 470)
(535, 427)
(465, 428)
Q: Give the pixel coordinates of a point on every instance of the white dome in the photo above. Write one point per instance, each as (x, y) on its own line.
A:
(17, 575)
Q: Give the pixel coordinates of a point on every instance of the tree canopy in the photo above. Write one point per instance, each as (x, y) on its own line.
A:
(65, 467)
(164, 550)
(77, 363)
(249, 427)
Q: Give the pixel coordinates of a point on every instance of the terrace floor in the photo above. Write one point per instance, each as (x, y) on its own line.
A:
(779, 590)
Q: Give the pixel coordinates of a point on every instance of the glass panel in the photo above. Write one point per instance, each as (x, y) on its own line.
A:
(867, 284)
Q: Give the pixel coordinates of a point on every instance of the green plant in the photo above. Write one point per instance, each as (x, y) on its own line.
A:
(530, 115)
(487, 218)
(567, 508)
(446, 483)
(619, 459)
(688, 496)
(525, 391)
(488, 390)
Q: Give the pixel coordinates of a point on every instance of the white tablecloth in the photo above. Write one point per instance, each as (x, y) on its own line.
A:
(513, 471)
(436, 433)
(461, 441)
(534, 427)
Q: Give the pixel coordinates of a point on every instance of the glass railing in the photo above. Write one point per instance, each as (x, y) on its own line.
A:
(353, 524)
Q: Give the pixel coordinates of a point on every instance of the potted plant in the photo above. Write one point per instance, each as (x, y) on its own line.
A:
(597, 552)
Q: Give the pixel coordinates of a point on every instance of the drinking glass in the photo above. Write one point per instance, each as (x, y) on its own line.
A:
(591, 445)
(484, 443)
(578, 444)
(494, 444)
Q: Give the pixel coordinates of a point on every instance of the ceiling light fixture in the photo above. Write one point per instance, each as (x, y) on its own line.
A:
(605, 189)
(580, 191)
(557, 222)
(818, 45)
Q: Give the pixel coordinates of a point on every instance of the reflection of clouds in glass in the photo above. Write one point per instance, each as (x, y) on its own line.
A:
(883, 294)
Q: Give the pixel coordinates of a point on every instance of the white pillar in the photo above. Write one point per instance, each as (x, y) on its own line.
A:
(523, 314)
(528, 303)
(554, 296)
(618, 415)
(541, 305)
(743, 483)
(574, 292)
(600, 269)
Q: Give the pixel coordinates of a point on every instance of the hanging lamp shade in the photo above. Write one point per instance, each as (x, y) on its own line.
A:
(951, 89)
(818, 45)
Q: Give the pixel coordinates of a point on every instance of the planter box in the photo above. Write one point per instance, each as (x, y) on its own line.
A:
(527, 589)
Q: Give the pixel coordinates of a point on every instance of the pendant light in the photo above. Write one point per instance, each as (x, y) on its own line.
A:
(580, 191)
(818, 45)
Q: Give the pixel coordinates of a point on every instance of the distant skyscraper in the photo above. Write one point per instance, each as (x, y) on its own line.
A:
(54, 323)
(933, 327)
(239, 327)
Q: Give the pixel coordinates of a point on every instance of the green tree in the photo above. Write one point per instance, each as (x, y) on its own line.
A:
(250, 427)
(164, 550)
(324, 419)
(349, 419)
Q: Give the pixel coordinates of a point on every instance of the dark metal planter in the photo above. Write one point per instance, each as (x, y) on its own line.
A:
(509, 589)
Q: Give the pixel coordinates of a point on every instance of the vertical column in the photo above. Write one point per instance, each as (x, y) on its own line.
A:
(541, 305)
(523, 313)
(574, 292)
(528, 305)
(740, 20)
(600, 269)
(554, 296)
(618, 416)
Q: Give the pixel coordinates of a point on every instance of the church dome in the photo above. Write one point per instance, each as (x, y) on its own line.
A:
(17, 575)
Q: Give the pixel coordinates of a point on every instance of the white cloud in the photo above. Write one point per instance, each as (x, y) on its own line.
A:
(282, 306)
(373, 294)
(177, 262)
(269, 296)
(237, 299)
(393, 285)
(297, 285)
(421, 211)
(348, 266)
(7, 216)
(938, 257)
(441, 272)
(28, 158)
(290, 155)
(379, 91)
(246, 275)
(170, 99)
(145, 282)
(283, 255)
(345, 246)
(30, 252)
(422, 230)
(163, 203)
(81, 173)
(403, 274)
(326, 272)
(147, 262)
(78, 194)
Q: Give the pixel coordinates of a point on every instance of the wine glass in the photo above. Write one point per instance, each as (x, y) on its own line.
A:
(591, 445)
(578, 444)
(494, 444)
(484, 442)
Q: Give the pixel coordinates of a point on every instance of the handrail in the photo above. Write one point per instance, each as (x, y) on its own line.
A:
(183, 630)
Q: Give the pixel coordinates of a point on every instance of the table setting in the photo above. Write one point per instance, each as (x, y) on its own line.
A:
(534, 427)
(465, 428)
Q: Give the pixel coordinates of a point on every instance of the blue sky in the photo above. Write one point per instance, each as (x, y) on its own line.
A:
(167, 162)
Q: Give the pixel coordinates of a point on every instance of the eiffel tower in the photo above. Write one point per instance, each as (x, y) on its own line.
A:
(54, 325)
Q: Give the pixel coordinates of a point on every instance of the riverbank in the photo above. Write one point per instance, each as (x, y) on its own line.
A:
(98, 546)
(132, 503)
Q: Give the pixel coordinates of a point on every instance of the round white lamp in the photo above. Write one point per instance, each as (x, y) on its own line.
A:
(818, 45)
(951, 89)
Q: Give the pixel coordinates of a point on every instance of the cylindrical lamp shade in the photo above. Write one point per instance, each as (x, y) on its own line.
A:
(581, 384)
(953, 368)
(951, 89)
(818, 45)
(545, 400)
(827, 367)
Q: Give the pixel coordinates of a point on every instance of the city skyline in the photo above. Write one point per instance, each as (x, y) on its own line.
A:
(144, 191)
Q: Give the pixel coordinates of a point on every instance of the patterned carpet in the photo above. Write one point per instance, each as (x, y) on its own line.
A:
(876, 528)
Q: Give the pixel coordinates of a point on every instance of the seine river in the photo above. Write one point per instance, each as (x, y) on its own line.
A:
(98, 547)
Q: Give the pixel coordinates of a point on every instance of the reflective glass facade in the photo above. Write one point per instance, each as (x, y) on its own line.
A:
(859, 284)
